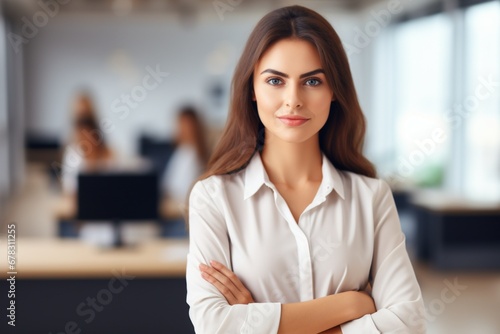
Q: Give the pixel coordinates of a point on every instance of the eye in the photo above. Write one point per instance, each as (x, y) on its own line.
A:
(274, 81)
(313, 82)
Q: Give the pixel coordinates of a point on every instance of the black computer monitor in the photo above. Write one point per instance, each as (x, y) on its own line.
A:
(118, 196)
(157, 151)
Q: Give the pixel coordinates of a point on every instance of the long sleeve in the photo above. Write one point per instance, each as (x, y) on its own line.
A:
(71, 164)
(395, 289)
(181, 171)
(209, 240)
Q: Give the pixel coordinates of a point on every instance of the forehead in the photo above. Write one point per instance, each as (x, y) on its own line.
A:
(290, 56)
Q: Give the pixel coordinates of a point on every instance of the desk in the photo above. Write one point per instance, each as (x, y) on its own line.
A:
(69, 258)
(456, 233)
(136, 290)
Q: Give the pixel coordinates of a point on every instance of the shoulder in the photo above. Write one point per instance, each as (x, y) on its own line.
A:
(358, 185)
(110, 154)
(215, 186)
(213, 194)
(371, 195)
(185, 156)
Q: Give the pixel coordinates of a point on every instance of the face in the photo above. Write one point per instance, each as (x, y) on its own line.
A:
(186, 129)
(81, 107)
(290, 88)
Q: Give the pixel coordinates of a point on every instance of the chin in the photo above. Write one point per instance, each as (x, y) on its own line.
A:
(298, 137)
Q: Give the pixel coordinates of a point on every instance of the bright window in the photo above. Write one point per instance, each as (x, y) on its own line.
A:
(482, 101)
(422, 95)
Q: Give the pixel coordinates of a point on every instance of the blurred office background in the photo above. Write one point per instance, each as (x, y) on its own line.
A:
(427, 75)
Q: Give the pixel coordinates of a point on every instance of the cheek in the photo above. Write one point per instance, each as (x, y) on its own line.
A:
(268, 100)
(321, 103)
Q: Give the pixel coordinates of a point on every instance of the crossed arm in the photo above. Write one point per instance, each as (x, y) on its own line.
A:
(322, 315)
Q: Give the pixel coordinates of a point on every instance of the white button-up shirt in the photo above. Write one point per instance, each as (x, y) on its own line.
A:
(347, 237)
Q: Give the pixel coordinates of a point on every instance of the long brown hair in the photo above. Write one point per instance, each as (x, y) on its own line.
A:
(190, 113)
(85, 119)
(341, 138)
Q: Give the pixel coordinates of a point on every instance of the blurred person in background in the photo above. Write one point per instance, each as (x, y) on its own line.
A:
(187, 163)
(86, 150)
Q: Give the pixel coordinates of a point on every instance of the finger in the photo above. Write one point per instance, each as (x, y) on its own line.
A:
(242, 294)
(225, 291)
(223, 278)
(231, 275)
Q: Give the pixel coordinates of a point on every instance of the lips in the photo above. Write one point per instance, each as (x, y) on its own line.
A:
(293, 120)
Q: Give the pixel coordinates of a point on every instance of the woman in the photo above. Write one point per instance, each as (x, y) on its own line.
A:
(289, 228)
(86, 150)
(187, 162)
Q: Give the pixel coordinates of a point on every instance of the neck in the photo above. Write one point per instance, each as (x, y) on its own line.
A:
(292, 164)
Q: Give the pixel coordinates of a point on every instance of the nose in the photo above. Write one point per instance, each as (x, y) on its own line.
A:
(292, 98)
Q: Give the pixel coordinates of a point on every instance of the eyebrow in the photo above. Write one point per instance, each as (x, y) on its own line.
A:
(319, 70)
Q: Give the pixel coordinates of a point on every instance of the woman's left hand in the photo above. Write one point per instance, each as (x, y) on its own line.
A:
(227, 283)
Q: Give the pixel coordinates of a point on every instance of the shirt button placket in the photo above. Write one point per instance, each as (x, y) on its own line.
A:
(305, 269)
(305, 265)
(304, 256)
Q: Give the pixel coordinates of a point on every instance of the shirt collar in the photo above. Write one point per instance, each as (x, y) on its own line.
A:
(255, 176)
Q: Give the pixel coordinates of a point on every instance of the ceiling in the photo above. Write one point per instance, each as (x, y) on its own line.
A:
(179, 7)
(132, 6)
